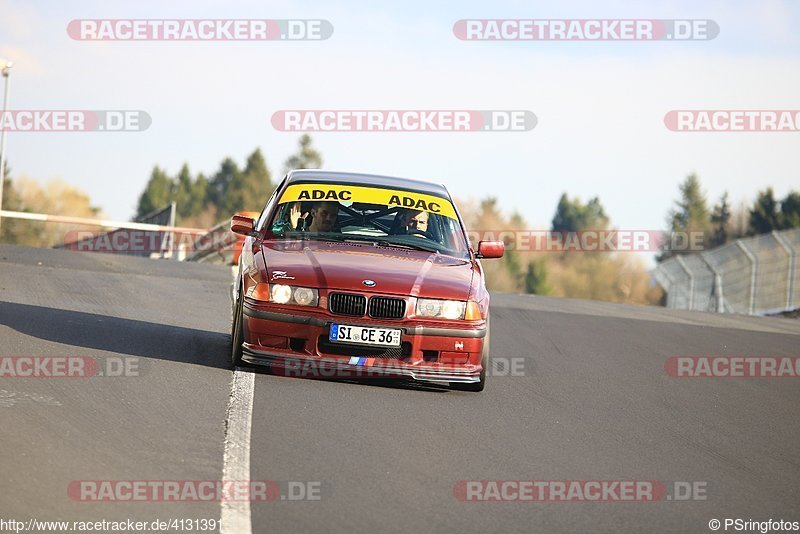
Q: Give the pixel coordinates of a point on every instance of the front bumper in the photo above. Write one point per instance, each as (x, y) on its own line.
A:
(337, 368)
(295, 345)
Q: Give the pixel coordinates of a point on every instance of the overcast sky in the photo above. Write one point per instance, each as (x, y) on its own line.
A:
(600, 105)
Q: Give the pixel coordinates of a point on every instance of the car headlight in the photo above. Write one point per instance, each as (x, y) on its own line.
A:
(283, 294)
(280, 293)
(441, 309)
(304, 296)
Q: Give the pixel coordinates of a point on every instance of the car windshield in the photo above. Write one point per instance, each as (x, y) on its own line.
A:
(333, 212)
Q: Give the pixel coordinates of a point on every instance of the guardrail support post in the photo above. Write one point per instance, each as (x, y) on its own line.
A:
(790, 274)
(753, 267)
(717, 290)
(662, 277)
(691, 279)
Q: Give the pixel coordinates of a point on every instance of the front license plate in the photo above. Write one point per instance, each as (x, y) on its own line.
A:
(387, 337)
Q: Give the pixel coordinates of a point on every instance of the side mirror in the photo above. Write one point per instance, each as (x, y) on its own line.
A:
(243, 225)
(491, 249)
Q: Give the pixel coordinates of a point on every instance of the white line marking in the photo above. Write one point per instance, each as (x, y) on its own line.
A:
(10, 398)
(235, 515)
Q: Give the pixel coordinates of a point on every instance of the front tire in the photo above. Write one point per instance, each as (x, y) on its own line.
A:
(237, 332)
(480, 385)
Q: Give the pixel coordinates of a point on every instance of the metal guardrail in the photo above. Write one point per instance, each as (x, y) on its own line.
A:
(161, 238)
(754, 276)
(214, 247)
(153, 235)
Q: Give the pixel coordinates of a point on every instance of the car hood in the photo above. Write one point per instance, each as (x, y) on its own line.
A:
(345, 266)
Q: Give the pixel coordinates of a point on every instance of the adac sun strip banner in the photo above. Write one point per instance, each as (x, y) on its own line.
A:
(369, 195)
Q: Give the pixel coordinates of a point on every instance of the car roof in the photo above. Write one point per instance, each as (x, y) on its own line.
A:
(406, 184)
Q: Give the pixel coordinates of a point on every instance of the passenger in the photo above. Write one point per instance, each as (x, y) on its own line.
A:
(323, 217)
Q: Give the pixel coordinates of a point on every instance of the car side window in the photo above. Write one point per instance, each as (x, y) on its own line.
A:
(262, 219)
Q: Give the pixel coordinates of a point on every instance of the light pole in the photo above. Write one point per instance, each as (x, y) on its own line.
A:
(5, 65)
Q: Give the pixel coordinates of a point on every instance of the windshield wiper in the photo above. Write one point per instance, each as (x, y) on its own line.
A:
(340, 238)
(413, 246)
(305, 236)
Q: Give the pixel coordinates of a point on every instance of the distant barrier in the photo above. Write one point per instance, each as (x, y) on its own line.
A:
(136, 238)
(156, 243)
(754, 276)
(216, 246)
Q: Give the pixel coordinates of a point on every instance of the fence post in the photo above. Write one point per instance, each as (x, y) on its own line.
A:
(720, 301)
(753, 267)
(691, 279)
(171, 252)
(663, 276)
(790, 274)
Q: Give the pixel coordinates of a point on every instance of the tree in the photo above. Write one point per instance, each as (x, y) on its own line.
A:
(740, 220)
(229, 190)
(189, 194)
(790, 211)
(10, 200)
(14, 230)
(536, 278)
(720, 221)
(250, 188)
(690, 215)
(574, 215)
(764, 216)
(219, 185)
(55, 198)
(306, 157)
(157, 193)
(8, 189)
(604, 276)
(259, 180)
(767, 214)
(517, 221)
(197, 199)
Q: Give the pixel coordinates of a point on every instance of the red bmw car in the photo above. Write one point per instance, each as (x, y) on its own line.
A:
(362, 276)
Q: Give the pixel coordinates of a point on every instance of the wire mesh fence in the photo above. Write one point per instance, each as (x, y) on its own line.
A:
(755, 276)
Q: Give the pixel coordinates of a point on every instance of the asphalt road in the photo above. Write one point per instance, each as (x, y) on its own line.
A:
(593, 403)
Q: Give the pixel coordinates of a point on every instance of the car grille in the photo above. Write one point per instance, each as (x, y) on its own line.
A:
(347, 304)
(387, 308)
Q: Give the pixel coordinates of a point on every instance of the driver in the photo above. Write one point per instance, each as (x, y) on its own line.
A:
(413, 220)
(324, 215)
